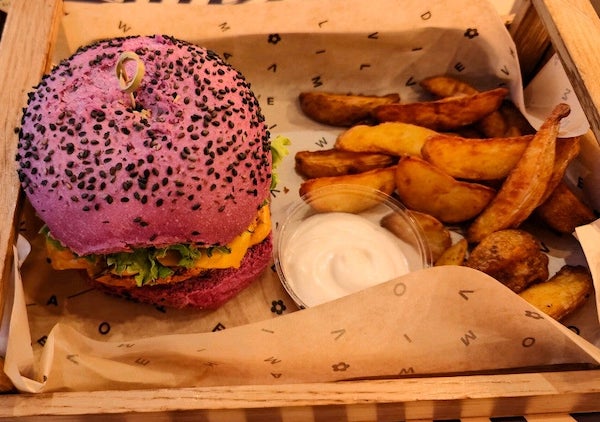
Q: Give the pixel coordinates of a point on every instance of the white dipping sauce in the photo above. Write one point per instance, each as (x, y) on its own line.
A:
(334, 254)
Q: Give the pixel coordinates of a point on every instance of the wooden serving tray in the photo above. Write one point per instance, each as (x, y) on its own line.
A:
(570, 27)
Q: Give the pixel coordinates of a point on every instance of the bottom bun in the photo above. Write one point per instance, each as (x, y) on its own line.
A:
(207, 291)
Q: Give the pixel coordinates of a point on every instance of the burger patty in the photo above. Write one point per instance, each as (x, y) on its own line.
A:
(209, 290)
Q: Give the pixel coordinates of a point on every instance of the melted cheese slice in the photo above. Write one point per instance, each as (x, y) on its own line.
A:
(257, 231)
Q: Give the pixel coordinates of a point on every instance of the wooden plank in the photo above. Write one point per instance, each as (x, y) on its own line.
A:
(25, 47)
(531, 39)
(562, 417)
(415, 398)
(574, 28)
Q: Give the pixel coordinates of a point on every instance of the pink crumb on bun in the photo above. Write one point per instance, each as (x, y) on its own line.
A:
(190, 164)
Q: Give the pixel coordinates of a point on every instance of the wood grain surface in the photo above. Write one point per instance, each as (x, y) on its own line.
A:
(25, 47)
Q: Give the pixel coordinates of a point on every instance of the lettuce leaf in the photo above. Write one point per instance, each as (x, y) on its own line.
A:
(143, 263)
(279, 151)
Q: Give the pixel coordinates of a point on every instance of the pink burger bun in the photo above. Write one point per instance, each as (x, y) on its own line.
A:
(189, 165)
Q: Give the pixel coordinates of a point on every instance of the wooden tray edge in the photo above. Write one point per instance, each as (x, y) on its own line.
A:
(31, 27)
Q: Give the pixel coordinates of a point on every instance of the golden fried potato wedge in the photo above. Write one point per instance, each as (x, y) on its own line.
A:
(341, 109)
(566, 150)
(511, 256)
(455, 254)
(437, 236)
(491, 158)
(447, 86)
(333, 162)
(425, 188)
(380, 179)
(525, 185)
(447, 114)
(494, 125)
(475, 159)
(563, 211)
(393, 138)
(566, 291)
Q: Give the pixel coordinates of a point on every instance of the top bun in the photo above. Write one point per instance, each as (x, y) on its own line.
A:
(190, 164)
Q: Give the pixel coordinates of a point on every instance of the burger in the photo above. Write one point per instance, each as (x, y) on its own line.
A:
(149, 161)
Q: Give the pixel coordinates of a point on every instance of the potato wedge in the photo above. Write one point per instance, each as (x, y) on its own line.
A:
(491, 158)
(447, 86)
(380, 179)
(425, 188)
(437, 236)
(511, 256)
(475, 159)
(333, 162)
(393, 138)
(566, 150)
(341, 109)
(494, 125)
(563, 211)
(566, 291)
(447, 114)
(525, 185)
(455, 254)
